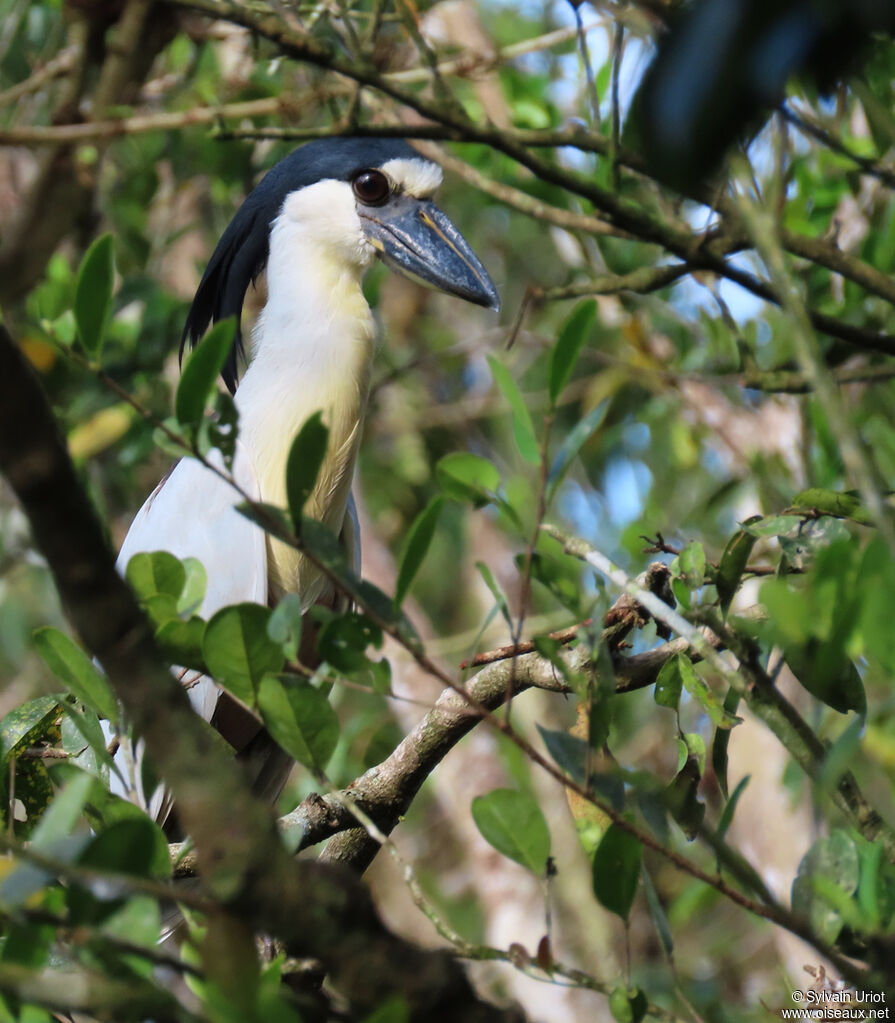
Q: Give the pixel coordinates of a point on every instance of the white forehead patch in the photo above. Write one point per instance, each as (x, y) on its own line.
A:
(419, 178)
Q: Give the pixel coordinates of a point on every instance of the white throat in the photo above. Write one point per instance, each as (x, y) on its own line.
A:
(312, 351)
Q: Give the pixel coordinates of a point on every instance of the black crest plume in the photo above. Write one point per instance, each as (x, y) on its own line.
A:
(242, 252)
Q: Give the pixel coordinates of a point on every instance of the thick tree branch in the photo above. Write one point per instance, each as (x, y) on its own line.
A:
(315, 909)
(384, 792)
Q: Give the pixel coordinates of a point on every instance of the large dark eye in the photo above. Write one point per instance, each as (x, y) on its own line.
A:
(371, 187)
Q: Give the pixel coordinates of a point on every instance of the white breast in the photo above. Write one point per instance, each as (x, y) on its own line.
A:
(312, 351)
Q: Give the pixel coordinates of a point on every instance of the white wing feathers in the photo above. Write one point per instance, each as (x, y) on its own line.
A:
(192, 513)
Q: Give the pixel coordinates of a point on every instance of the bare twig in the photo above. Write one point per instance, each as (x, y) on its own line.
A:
(63, 63)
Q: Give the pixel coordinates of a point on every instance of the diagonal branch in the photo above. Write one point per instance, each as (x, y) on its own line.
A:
(316, 909)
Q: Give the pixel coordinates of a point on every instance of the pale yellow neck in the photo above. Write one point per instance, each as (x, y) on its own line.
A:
(312, 351)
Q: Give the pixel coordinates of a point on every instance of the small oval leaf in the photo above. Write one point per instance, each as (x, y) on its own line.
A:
(238, 650)
(93, 294)
(464, 476)
(512, 822)
(301, 719)
(285, 625)
(156, 573)
(616, 869)
(669, 685)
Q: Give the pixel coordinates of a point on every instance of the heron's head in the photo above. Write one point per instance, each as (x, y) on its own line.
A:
(351, 200)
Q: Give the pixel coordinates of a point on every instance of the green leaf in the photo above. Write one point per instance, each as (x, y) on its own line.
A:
(682, 795)
(628, 1004)
(93, 294)
(551, 650)
(669, 684)
(301, 720)
(139, 922)
(27, 722)
(835, 860)
(53, 837)
(238, 650)
(177, 445)
(63, 813)
(569, 751)
(181, 642)
(304, 463)
(285, 625)
(523, 428)
(156, 573)
(568, 346)
(730, 807)
(733, 562)
(102, 809)
(703, 695)
(774, 525)
(512, 822)
(721, 741)
(496, 591)
(657, 912)
(828, 675)
(691, 563)
(616, 868)
(195, 584)
(842, 505)
(680, 589)
(418, 540)
(343, 641)
(73, 667)
(269, 517)
(582, 432)
(160, 609)
(203, 367)
(841, 754)
(84, 741)
(694, 746)
(326, 547)
(464, 476)
(393, 1010)
(28, 944)
(220, 430)
(802, 545)
(133, 844)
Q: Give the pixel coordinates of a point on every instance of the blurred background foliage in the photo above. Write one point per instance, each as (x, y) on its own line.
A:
(710, 417)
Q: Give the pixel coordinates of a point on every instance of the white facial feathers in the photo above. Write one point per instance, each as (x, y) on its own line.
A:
(419, 178)
(325, 214)
(322, 215)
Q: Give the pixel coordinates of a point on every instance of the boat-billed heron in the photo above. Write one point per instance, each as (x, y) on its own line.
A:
(315, 222)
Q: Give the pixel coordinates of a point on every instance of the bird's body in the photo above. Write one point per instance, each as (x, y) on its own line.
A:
(316, 355)
(316, 222)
